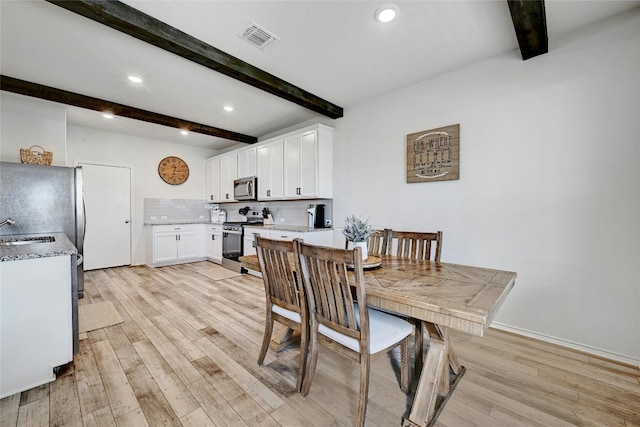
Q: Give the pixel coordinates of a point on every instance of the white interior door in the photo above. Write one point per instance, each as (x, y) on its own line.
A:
(107, 196)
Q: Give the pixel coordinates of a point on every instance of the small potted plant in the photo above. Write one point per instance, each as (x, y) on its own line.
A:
(357, 230)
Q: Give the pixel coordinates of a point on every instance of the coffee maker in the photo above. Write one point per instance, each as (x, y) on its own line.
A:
(316, 216)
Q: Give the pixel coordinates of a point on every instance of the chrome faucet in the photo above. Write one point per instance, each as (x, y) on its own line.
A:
(9, 221)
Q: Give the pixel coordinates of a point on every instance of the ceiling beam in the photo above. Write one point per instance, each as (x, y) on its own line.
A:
(36, 90)
(135, 23)
(530, 23)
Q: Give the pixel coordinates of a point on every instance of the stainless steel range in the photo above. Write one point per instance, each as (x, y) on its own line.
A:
(232, 243)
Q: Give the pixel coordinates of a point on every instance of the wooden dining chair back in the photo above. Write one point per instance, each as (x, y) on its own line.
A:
(351, 329)
(377, 243)
(285, 301)
(415, 245)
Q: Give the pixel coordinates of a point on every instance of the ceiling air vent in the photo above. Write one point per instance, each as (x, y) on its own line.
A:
(258, 36)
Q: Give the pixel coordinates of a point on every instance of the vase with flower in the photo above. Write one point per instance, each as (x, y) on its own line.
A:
(357, 231)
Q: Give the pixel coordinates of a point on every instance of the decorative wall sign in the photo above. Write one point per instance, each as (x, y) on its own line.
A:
(434, 155)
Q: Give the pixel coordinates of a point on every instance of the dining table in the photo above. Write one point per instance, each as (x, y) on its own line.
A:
(439, 296)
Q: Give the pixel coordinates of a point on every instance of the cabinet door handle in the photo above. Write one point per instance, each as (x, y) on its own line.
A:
(298, 190)
(213, 237)
(268, 193)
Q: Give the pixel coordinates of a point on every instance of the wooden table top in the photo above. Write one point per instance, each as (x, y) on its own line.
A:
(456, 296)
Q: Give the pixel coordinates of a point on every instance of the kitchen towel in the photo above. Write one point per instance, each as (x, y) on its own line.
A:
(96, 316)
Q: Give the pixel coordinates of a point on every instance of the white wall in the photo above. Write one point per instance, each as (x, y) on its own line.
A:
(27, 121)
(142, 155)
(549, 180)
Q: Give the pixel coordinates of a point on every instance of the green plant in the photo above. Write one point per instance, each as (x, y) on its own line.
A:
(356, 229)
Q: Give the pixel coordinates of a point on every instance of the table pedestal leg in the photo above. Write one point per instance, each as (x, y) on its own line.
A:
(282, 338)
(435, 385)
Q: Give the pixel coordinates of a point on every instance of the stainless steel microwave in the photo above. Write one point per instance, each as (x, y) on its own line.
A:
(245, 188)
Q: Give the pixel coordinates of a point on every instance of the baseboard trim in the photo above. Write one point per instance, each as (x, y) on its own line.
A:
(570, 344)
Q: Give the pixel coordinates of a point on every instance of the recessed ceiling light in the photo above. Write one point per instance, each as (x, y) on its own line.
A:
(184, 132)
(386, 13)
(134, 79)
(107, 115)
(228, 108)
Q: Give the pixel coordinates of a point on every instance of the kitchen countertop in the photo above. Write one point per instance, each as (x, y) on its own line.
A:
(61, 246)
(176, 221)
(285, 227)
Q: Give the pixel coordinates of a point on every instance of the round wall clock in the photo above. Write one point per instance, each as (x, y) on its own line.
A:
(173, 170)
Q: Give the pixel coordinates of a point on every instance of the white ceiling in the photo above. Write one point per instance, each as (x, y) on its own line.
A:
(333, 49)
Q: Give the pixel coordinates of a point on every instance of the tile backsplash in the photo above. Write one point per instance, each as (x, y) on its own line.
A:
(290, 212)
(162, 210)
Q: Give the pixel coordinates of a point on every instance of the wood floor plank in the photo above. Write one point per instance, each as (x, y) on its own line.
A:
(214, 405)
(34, 413)
(123, 348)
(153, 403)
(64, 405)
(174, 390)
(34, 394)
(91, 392)
(133, 418)
(9, 410)
(186, 354)
(261, 394)
(102, 417)
(197, 418)
(180, 364)
(121, 397)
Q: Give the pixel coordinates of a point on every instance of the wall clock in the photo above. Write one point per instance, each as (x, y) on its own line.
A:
(173, 170)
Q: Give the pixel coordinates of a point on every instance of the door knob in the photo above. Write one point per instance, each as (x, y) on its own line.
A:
(126, 222)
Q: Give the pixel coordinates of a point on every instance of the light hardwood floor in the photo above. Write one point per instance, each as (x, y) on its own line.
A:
(186, 355)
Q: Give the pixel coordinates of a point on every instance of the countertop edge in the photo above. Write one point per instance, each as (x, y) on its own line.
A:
(61, 247)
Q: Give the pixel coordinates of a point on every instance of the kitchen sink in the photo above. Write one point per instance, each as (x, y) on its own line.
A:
(14, 241)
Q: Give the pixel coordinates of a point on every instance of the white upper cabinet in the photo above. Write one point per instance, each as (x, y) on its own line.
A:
(301, 165)
(308, 163)
(296, 165)
(228, 173)
(270, 177)
(213, 180)
(247, 163)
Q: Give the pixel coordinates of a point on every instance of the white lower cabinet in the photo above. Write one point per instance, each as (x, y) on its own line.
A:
(36, 326)
(213, 243)
(175, 244)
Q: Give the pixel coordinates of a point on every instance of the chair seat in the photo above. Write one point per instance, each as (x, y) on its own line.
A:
(291, 315)
(384, 331)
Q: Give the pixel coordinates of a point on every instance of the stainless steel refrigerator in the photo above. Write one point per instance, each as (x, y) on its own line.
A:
(45, 199)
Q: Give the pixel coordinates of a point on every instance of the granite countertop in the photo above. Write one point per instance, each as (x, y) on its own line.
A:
(292, 228)
(61, 246)
(176, 221)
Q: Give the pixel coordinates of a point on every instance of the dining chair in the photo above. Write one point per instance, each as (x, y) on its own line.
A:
(422, 246)
(415, 245)
(285, 301)
(377, 243)
(351, 329)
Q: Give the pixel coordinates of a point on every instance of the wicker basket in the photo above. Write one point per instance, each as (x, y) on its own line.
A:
(35, 157)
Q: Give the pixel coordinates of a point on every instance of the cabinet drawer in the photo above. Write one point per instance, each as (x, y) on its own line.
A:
(176, 227)
(213, 228)
(285, 235)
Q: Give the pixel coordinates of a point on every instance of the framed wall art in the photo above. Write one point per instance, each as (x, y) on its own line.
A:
(434, 155)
